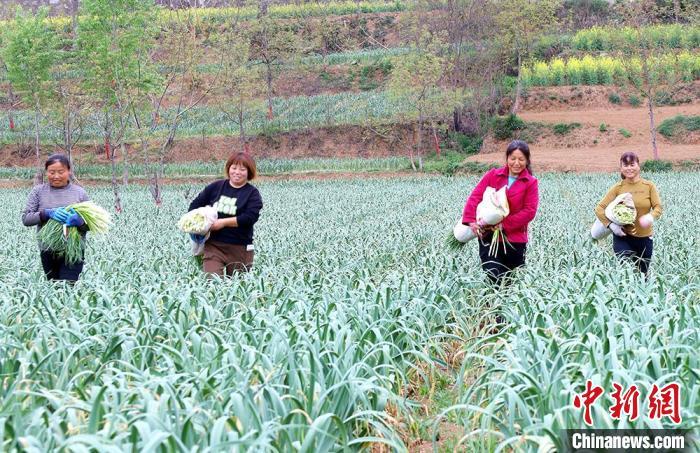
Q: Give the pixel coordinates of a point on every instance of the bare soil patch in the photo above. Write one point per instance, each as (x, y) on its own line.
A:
(591, 159)
(588, 149)
(581, 97)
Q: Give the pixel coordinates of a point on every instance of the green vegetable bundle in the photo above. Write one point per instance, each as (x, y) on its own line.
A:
(624, 214)
(198, 221)
(67, 241)
(621, 210)
(452, 243)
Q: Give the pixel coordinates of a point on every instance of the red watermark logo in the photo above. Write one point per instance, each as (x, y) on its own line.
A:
(661, 402)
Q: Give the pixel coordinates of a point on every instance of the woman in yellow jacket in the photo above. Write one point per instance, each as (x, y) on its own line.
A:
(633, 241)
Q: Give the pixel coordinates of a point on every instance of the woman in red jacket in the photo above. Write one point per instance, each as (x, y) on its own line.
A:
(523, 198)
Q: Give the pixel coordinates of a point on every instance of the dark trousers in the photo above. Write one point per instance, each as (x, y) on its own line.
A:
(636, 249)
(226, 259)
(56, 268)
(497, 267)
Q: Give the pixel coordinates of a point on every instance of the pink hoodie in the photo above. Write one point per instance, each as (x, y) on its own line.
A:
(523, 198)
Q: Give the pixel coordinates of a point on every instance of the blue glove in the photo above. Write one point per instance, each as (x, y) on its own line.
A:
(198, 238)
(58, 214)
(74, 219)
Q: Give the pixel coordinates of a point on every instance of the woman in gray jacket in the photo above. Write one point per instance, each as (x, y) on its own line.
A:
(48, 201)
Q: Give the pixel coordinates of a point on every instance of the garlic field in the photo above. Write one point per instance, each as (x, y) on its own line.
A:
(335, 339)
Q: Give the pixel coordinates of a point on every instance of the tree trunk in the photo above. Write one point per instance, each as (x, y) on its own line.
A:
(39, 175)
(518, 88)
(155, 187)
(125, 161)
(11, 100)
(115, 186)
(110, 155)
(437, 142)
(652, 129)
(264, 4)
(676, 10)
(74, 17)
(457, 119)
(68, 137)
(241, 130)
(419, 148)
(270, 115)
(412, 148)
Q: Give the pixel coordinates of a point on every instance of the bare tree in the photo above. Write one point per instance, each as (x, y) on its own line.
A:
(182, 89)
(114, 40)
(273, 45)
(521, 23)
(239, 80)
(416, 79)
(477, 61)
(649, 67)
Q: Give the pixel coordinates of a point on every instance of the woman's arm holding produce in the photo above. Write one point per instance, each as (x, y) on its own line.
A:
(229, 222)
(600, 208)
(245, 218)
(520, 219)
(469, 212)
(31, 214)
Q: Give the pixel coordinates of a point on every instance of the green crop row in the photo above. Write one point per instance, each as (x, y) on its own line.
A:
(605, 70)
(245, 12)
(293, 113)
(333, 340)
(183, 170)
(337, 58)
(608, 38)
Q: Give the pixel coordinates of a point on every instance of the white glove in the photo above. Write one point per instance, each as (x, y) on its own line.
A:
(617, 230)
(646, 220)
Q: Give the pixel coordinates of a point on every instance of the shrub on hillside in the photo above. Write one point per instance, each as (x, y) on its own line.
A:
(504, 127)
(673, 126)
(564, 128)
(657, 165)
(466, 143)
(625, 133)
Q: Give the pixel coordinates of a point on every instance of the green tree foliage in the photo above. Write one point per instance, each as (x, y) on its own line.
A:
(31, 50)
(647, 72)
(416, 78)
(240, 80)
(520, 24)
(115, 38)
(273, 44)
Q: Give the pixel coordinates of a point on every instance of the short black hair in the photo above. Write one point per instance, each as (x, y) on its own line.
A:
(58, 157)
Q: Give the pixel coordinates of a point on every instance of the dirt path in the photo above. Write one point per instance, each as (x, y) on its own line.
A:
(604, 156)
(630, 118)
(593, 159)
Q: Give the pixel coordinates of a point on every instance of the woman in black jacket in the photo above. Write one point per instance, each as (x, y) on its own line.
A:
(229, 247)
